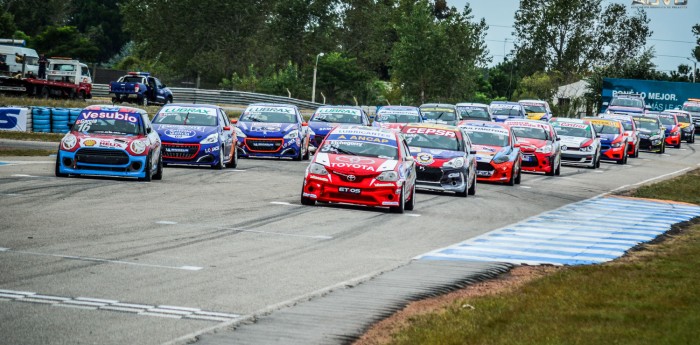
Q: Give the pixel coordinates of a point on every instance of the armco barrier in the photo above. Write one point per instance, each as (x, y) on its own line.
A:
(186, 95)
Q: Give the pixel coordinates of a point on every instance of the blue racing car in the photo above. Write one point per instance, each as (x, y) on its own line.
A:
(272, 130)
(327, 117)
(196, 134)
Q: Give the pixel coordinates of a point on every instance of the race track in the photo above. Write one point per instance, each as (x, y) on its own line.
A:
(113, 261)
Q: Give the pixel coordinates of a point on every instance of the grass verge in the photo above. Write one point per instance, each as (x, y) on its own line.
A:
(31, 136)
(650, 296)
(25, 152)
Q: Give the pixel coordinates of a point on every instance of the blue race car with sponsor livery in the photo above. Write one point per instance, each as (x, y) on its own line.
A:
(395, 117)
(502, 110)
(196, 134)
(444, 114)
(272, 130)
(111, 141)
(327, 117)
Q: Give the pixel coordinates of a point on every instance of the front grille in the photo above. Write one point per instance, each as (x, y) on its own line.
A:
(101, 156)
(180, 151)
(481, 166)
(604, 146)
(644, 142)
(264, 145)
(350, 177)
(429, 174)
(532, 162)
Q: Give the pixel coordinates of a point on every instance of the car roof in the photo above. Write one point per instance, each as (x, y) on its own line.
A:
(399, 107)
(119, 108)
(472, 105)
(279, 105)
(190, 105)
(532, 101)
(437, 105)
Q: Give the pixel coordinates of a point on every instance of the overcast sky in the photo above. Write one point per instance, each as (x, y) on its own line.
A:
(667, 24)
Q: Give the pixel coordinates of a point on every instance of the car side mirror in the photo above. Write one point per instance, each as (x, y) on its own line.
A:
(409, 159)
(472, 152)
(304, 124)
(69, 125)
(626, 134)
(558, 139)
(163, 86)
(234, 121)
(227, 128)
(149, 130)
(516, 145)
(605, 103)
(597, 135)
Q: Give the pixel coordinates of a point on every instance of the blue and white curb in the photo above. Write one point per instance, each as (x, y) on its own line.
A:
(587, 232)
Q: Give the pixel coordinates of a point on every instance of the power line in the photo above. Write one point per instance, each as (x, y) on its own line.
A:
(658, 39)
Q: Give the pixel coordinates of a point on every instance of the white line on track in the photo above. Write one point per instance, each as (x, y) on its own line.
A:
(166, 222)
(28, 162)
(281, 203)
(318, 237)
(22, 175)
(411, 215)
(86, 258)
(526, 187)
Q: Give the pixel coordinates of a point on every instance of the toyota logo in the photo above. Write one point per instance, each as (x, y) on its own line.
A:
(354, 160)
(351, 178)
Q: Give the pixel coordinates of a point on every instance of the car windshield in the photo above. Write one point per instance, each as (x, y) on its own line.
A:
(488, 138)
(627, 125)
(667, 120)
(506, 111)
(432, 141)
(627, 102)
(439, 114)
(573, 130)
(346, 116)
(530, 132)
(357, 148)
(683, 118)
(109, 126)
(692, 108)
(269, 115)
(534, 109)
(185, 118)
(646, 124)
(397, 117)
(132, 80)
(606, 129)
(473, 113)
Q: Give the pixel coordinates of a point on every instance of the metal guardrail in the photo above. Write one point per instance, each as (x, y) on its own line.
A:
(187, 95)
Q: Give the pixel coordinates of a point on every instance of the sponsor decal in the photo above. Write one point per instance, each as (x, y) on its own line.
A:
(179, 133)
(191, 110)
(89, 142)
(130, 117)
(266, 128)
(524, 124)
(421, 130)
(572, 125)
(270, 109)
(424, 158)
(601, 122)
(390, 203)
(314, 177)
(212, 149)
(354, 160)
(384, 185)
(362, 132)
(339, 111)
(364, 138)
(498, 130)
(112, 144)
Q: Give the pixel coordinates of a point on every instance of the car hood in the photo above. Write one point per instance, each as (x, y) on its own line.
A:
(265, 129)
(355, 165)
(573, 141)
(501, 118)
(183, 133)
(433, 157)
(109, 141)
(608, 138)
(530, 144)
(647, 132)
(441, 122)
(485, 153)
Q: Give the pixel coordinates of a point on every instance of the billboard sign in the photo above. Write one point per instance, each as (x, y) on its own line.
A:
(659, 95)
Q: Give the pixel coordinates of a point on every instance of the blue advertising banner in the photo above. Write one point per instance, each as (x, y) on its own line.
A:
(659, 95)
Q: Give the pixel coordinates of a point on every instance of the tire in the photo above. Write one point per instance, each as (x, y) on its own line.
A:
(558, 171)
(552, 171)
(159, 170)
(597, 161)
(148, 176)
(306, 154)
(299, 156)
(402, 203)
(58, 164)
(44, 93)
(520, 176)
(220, 165)
(663, 148)
(306, 201)
(511, 181)
(472, 189)
(411, 204)
(465, 192)
(82, 96)
(144, 101)
(692, 138)
(679, 145)
(234, 158)
(636, 151)
(168, 100)
(624, 158)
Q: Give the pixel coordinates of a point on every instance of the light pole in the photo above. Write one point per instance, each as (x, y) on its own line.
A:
(313, 87)
(695, 66)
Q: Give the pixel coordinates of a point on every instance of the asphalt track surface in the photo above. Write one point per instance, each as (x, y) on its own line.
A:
(88, 260)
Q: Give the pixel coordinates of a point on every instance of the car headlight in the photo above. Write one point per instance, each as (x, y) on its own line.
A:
(676, 132)
(138, 147)
(655, 137)
(454, 163)
(69, 141)
(588, 148)
(616, 145)
(389, 176)
(239, 132)
(500, 159)
(317, 169)
(545, 149)
(212, 138)
(292, 135)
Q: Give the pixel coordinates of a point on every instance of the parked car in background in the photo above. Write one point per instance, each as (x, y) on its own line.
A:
(140, 88)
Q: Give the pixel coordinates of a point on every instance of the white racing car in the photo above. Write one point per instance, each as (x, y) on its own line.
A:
(580, 144)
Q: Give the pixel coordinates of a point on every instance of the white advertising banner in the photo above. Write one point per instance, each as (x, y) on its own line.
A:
(13, 119)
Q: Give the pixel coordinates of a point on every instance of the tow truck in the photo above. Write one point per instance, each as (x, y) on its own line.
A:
(140, 88)
(65, 78)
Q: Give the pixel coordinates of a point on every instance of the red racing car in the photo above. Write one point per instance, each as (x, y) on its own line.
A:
(498, 155)
(539, 145)
(362, 165)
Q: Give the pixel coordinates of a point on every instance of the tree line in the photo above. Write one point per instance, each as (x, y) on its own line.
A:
(374, 51)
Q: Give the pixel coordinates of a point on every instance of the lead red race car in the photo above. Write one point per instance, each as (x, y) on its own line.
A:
(364, 166)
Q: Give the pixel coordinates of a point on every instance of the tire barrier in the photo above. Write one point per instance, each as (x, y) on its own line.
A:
(41, 119)
(59, 120)
(73, 114)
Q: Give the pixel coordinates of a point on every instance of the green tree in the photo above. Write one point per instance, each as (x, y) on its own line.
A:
(7, 24)
(540, 85)
(101, 22)
(340, 79)
(65, 41)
